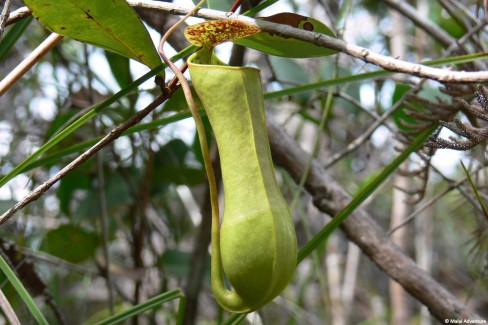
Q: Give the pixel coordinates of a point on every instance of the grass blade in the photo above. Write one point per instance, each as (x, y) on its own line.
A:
(323, 234)
(84, 119)
(13, 34)
(19, 287)
(475, 190)
(148, 305)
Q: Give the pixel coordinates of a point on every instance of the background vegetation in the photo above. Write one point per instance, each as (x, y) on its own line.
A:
(133, 222)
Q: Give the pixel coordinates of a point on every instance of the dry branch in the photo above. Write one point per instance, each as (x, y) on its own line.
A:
(109, 138)
(330, 198)
(385, 62)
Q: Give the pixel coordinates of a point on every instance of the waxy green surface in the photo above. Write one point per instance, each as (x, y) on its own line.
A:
(256, 247)
(112, 25)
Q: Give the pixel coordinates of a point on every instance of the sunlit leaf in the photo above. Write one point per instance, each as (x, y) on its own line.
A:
(112, 25)
(222, 5)
(289, 47)
(289, 72)
(120, 67)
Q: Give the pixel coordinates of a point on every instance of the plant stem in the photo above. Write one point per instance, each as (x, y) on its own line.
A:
(198, 121)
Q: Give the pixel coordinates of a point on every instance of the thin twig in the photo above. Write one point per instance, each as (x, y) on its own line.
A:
(8, 310)
(109, 138)
(430, 202)
(4, 16)
(361, 229)
(385, 62)
(29, 61)
(367, 134)
(198, 120)
(466, 36)
(17, 15)
(429, 27)
(102, 197)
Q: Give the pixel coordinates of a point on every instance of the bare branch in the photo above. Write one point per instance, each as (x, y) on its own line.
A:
(432, 29)
(330, 198)
(29, 61)
(385, 62)
(4, 16)
(114, 134)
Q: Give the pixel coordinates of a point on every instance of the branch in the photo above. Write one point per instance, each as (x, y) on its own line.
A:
(109, 138)
(385, 62)
(29, 61)
(428, 26)
(17, 15)
(4, 16)
(360, 228)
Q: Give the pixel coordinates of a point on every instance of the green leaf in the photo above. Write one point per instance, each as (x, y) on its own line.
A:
(221, 5)
(289, 72)
(476, 192)
(19, 287)
(13, 34)
(71, 243)
(289, 47)
(175, 263)
(75, 180)
(177, 102)
(399, 116)
(118, 197)
(149, 304)
(105, 313)
(455, 28)
(260, 7)
(170, 166)
(112, 25)
(120, 67)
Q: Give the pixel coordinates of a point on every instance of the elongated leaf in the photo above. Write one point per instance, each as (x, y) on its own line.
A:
(359, 198)
(476, 192)
(288, 71)
(148, 305)
(84, 243)
(260, 7)
(12, 36)
(19, 287)
(112, 25)
(86, 117)
(120, 67)
(289, 47)
(222, 5)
